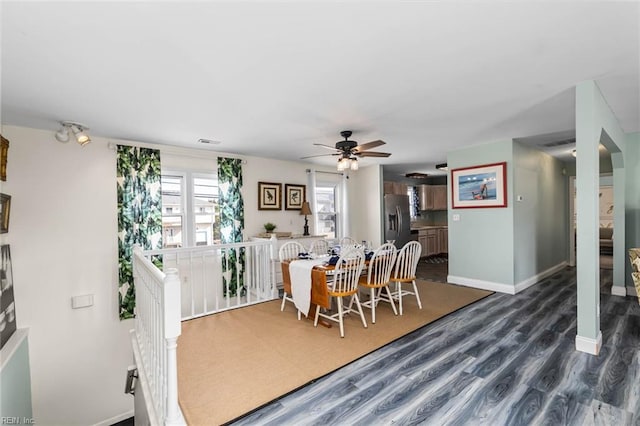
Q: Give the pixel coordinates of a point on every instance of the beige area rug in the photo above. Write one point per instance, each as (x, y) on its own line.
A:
(236, 361)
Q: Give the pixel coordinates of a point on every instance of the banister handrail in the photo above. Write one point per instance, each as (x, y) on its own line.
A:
(157, 326)
(202, 278)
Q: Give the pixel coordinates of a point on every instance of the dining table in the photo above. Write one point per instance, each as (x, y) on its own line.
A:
(319, 293)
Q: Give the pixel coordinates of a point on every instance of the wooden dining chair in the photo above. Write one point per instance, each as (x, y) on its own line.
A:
(378, 277)
(345, 284)
(347, 241)
(288, 251)
(405, 273)
(319, 247)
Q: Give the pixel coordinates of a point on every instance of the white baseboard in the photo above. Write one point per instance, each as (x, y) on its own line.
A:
(616, 290)
(522, 285)
(115, 419)
(483, 285)
(506, 288)
(590, 346)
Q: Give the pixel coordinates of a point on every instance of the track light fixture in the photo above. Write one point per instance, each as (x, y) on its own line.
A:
(78, 130)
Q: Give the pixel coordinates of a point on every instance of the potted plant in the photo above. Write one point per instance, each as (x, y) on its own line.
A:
(269, 227)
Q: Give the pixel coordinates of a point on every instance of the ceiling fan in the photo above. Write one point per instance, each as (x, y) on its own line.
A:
(349, 151)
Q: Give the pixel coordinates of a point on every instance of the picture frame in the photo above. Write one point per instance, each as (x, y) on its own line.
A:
(479, 186)
(4, 151)
(7, 299)
(294, 196)
(269, 196)
(5, 209)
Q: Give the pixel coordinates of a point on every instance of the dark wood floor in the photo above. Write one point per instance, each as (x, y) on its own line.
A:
(506, 360)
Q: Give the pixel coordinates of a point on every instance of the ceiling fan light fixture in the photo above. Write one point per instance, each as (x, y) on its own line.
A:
(354, 164)
(343, 164)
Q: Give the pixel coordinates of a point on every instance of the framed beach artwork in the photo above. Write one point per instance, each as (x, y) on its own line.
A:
(293, 196)
(269, 196)
(479, 186)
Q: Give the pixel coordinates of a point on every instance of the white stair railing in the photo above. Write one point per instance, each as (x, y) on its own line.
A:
(157, 327)
(191, 286)
(206, 288)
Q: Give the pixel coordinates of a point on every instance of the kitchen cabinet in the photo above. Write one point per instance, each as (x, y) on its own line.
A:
(422, 239)
(395, 188)
(433, 197)
(443, 240)
(433, 240)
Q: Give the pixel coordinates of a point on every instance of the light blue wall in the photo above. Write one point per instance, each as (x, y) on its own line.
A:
(595, 124)
(501, 248)
(481, 242)
(15, 382)
(632, 198)
(540, 219)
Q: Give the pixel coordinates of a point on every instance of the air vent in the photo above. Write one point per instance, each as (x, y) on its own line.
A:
(417, 175)
(209, 141)
(560, 143)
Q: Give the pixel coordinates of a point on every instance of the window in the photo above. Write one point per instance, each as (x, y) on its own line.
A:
(327, 223)
(414, 206)
(172, 208)
(207, 214)
(330, 194)
(190, 211)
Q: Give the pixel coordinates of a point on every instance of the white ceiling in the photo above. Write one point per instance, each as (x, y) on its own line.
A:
(271, 78)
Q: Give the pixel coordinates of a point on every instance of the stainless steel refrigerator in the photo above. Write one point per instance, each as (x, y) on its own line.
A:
(397, 220)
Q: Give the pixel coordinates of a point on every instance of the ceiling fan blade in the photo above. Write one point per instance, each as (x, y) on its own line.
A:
(372, 154)
(333, 148)
(319, 155)
(368, 145)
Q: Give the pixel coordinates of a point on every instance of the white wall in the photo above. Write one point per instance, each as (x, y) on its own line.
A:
(268, 170)
(63, 236)
(366, 203)
(63, 243)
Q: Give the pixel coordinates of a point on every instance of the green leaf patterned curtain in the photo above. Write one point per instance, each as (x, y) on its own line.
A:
(231, 223)
(139, 215)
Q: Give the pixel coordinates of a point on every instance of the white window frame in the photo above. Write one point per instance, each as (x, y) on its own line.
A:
(188, 201)
(183, 207)
(338, 182)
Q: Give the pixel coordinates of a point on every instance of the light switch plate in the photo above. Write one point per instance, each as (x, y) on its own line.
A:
(83, 301)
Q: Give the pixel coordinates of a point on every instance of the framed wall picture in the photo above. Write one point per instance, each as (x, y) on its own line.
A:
(269, 196)
(5, 209)
(7, 301)
(294, 196)
(4, 151)
(479, 186)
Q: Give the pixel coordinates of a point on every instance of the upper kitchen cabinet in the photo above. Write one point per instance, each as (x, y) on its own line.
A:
(433, 197)
(397, 188)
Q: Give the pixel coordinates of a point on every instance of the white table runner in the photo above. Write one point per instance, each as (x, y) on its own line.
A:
(300, 275)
